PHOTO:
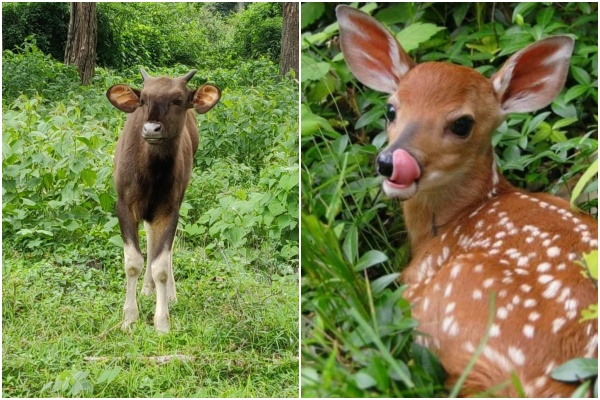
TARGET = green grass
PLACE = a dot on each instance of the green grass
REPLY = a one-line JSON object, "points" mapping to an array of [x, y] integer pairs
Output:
{"points": [[236, 321]]}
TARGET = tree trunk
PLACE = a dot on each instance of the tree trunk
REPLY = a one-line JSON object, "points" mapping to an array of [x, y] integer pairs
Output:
{"points": [[289, 40], [81, 40]]}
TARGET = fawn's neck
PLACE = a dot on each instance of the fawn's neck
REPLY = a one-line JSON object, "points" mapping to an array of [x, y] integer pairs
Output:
{"points": [[427, 213]]}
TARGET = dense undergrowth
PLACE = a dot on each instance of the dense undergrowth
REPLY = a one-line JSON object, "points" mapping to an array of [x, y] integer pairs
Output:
{"points": [[357, 330]]}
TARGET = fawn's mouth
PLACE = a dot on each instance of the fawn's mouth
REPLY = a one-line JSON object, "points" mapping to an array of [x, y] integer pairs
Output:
{"points": [[402, 172]]}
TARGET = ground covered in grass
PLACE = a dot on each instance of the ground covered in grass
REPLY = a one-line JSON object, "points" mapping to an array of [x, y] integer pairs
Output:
{"points": [[234, 328]]}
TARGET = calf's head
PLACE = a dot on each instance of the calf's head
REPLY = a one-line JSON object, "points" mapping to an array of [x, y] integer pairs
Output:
{"points": [[163, 103]]}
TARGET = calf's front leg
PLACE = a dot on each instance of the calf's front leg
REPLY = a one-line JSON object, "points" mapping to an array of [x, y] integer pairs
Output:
{"points": [[161, 232], [133, 261]]}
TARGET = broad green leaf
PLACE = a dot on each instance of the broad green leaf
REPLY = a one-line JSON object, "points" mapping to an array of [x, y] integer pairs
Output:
{"points": [[413, 35], [313, 70], [108, 375], [575, 92], [378, 285], [370, 258], [310, 12], [350, 246], [576, 370], [364, 380]]}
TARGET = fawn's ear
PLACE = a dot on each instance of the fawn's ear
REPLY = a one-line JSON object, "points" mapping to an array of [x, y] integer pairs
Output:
{"points": [[373, 54], [534, 76]]}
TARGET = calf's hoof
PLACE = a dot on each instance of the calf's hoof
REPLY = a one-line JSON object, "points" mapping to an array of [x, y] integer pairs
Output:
{"points": [[162, 325], [126, 325]]}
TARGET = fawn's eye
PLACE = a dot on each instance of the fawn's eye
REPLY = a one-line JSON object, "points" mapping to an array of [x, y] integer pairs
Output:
{"points": [[390, 113], [177, 102], [462, 126]]}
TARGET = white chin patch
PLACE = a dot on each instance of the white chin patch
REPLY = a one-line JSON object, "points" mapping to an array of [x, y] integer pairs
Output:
{"points": [[402, 193]]}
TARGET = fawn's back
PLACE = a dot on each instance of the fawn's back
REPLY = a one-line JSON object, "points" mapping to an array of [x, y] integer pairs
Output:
{"points": [[474, 237]]}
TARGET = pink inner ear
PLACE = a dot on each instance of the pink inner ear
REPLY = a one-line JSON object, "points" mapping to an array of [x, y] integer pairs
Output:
{"points": [[205, 98], [373, 54], [530, 71]]}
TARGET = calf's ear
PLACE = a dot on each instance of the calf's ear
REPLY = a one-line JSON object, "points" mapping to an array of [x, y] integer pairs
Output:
{"points": [[124, 98], [205, 98]]}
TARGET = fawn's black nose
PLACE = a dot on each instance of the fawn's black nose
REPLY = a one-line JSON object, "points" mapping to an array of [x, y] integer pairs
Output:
{"points": [[385, 164]]}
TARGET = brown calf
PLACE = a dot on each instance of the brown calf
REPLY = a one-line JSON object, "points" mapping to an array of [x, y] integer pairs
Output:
{"points": [[153, 165]]}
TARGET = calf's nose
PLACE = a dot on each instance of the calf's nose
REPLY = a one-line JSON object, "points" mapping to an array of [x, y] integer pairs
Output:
{"points": [[152, 132]]}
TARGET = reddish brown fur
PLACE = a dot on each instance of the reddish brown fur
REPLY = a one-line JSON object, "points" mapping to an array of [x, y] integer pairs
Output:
{"points": [[472, 234]]}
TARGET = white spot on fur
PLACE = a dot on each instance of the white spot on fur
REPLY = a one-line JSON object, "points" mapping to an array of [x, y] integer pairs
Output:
{"points": [[540, 382], [523, 261], [529, 303], [494, 331], [592, 346], [477, 295], [502, 313], [557, 324], [497, 358], [545, 279], [488, 282], [552, 289], [450, 307], [528, 331], [543, 267], [448, 290], [564, 294], [526, 288], [455, 271], [516, 355], [534, 316], [553, 251]]}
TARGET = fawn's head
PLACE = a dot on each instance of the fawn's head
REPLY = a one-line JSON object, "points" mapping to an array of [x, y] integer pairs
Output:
{"points": [[441, 116]]}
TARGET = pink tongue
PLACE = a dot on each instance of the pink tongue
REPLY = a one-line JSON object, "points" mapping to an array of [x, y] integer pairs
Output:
{"points": [[406, 170]]}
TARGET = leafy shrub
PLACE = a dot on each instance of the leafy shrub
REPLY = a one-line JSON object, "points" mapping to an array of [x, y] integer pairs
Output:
{"points": [[28, 70], [258, 31], [48, 22], [59, 137]]}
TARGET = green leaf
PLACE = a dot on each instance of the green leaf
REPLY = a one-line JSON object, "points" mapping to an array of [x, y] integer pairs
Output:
{"points": [[364, 380], [108, 375], [413, 35], [313, 70], [350, 246], [585, 178], [370, 258], [576, 370], [89, 177], [581, 75], [378, 285], [310, 12], [116, 240], [575, 92]]}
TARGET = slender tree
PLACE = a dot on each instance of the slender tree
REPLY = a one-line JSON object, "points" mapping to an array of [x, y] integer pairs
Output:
{"points": [[289, 39], [81, 40]]}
